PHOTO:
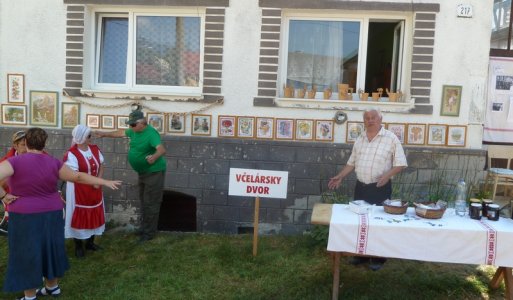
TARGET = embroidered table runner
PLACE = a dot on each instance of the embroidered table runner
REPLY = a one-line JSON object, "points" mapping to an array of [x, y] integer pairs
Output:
{"points": [[451, 239]]}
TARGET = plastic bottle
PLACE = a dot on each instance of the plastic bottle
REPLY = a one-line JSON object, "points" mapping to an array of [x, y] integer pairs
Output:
{"points": [[460, 203]]}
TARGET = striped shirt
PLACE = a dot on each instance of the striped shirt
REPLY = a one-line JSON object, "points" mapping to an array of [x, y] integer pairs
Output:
{"points": [[372, 159]]}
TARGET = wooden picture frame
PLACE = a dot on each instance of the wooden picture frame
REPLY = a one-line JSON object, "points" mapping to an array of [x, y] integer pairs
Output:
{"points": [[93, 121], [264, 128], [70, 115], [451, 100], [201, 124], [14, 114], [246, 127], [284, 129], [304, 129], [324, 130], [226, 126], [399, 129], [43, 108], [108, 121], [456, 135], [156, 120], [437, 135], [176, 123], [15, 88], [121, 122], [354, 130], [416, 134]]}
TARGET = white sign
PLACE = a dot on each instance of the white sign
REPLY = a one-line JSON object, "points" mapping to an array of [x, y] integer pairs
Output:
{"points": [[464, 11], [262, 183]]}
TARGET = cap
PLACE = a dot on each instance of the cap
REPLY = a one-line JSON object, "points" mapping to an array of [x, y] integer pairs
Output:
{"points": [[18, 135], [135, 116]]}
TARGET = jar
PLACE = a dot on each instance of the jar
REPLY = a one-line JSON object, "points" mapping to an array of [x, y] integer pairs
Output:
{"points": [[475, 211], [485, 203], [493, 212]]}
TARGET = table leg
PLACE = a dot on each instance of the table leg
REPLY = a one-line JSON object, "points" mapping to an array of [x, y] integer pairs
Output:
{"points": [[508, 280], [497, 278], [336, 275]]}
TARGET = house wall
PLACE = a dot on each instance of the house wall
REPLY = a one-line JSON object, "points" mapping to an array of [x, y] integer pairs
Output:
{"points": [[36, 37]]}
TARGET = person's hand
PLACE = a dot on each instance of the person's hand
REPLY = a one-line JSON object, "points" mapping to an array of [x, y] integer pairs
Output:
{"points": [[151, 159], [112, 184], [382, 181], [96, 186], [8, 199], [334, 182]]}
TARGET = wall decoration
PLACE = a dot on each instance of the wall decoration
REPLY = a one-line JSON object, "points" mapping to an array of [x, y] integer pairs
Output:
{"points": [[226, 126], [456, 135], [14, 114], [93, 121], [324, 130], [284, 129], [176, 123], [436, 134], [451, 100], [43, 108], [70, 115], [304, 129], [15, 88], [108, 121], [201, 124], [156, 120], [264, 128], [354, 130], [399, 129], [245, 127], [121, 122], [416, 134]]}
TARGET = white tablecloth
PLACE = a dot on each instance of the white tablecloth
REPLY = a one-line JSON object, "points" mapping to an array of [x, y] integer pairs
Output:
{"points": [[451, 239]]}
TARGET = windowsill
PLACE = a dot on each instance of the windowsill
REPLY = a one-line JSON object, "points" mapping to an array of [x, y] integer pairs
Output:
{"points": [[138, 95], [356, 105]]}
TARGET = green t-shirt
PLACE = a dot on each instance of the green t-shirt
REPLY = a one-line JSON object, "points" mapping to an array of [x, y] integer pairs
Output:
{"points": [[142, 144]]}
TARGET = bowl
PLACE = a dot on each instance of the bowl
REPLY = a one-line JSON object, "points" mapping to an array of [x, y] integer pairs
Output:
{"points": [[395, 206]]}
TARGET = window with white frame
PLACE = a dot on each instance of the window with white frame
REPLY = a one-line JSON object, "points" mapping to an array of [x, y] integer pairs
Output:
{"points": [[364, 53], [148, 52]]}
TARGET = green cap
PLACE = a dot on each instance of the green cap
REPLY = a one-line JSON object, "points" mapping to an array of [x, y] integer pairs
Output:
{"points": [[135, 116]]}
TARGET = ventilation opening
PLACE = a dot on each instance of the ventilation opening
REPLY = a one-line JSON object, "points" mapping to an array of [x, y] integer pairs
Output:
{"points": [[177, 212]]}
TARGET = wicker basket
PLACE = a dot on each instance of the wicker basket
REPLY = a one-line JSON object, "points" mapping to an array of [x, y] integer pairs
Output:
{"points": [[431, 213], [394, 209]]}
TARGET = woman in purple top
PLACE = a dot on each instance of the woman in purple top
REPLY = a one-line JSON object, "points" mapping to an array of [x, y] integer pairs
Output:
{"points": [[36, 224]]}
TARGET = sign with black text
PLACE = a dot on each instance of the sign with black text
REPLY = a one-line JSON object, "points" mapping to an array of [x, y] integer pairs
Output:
{"points": [[261, 183]]}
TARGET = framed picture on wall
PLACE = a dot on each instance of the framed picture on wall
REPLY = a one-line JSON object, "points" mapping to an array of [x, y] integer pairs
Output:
{"points": [[201, 124], [437, 134], [93, 121], [156, 120], [451, 100], [416, 134], [176, 123], [43, 108], [226, 126], [324, 130], [70, 115], [14, 114], [353, 131], [284, 129], [245, 127], [304, 129], [108, 121], [456, 135], [264, 128], [121, 122], [15, 88], [399, 129]]}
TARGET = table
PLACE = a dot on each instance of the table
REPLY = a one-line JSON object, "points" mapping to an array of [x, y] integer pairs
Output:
{"points": [[451, 239]]}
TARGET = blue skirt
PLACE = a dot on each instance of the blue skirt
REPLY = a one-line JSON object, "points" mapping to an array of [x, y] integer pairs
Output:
{"points": [[36, 250]]}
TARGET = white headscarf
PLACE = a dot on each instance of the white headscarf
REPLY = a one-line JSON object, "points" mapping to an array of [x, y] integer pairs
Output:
{"points": [[80, 134]]}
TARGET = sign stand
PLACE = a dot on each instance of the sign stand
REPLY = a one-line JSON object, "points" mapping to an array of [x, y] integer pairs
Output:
{"points": [[255, 226]]}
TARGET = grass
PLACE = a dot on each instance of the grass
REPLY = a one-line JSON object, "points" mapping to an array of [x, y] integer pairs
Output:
{"points": [[208, 266]]}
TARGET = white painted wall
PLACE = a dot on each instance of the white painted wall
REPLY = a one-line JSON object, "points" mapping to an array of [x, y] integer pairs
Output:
{"points": [[32, 39]]}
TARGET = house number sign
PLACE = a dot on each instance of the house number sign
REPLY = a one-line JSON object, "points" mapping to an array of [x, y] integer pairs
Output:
{"points": [[464, 11]]}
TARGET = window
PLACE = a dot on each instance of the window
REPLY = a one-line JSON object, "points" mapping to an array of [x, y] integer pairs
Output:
{"points": [[500, 42], [151, 53], [365, 53]]}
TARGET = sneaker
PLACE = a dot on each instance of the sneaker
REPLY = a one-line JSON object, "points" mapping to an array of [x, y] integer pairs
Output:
{"points": [[44, 291], [23, 298]]}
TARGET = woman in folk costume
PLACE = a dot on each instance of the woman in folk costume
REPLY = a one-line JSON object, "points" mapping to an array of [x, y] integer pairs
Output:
{"points": [[85, 212]]}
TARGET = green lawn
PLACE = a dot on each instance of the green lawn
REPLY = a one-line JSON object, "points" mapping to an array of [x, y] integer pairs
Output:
{"points": [[208, 266]]}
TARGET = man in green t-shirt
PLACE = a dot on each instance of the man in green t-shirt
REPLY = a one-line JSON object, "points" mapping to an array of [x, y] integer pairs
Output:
{"points": [[146, 156]]}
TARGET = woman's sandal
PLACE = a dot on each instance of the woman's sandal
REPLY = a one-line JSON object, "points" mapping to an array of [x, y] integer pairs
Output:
{"points": [[44, 291]]}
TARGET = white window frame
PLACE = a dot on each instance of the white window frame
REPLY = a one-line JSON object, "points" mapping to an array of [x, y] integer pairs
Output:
{"points": [[92, 52], [364, 18]]}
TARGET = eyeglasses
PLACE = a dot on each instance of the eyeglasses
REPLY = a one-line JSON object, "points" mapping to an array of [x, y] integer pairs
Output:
{"points": [[133, 125]]}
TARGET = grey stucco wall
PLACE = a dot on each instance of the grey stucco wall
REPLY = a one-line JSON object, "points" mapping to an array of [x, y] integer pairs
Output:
{"points": [[200, 167]]}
